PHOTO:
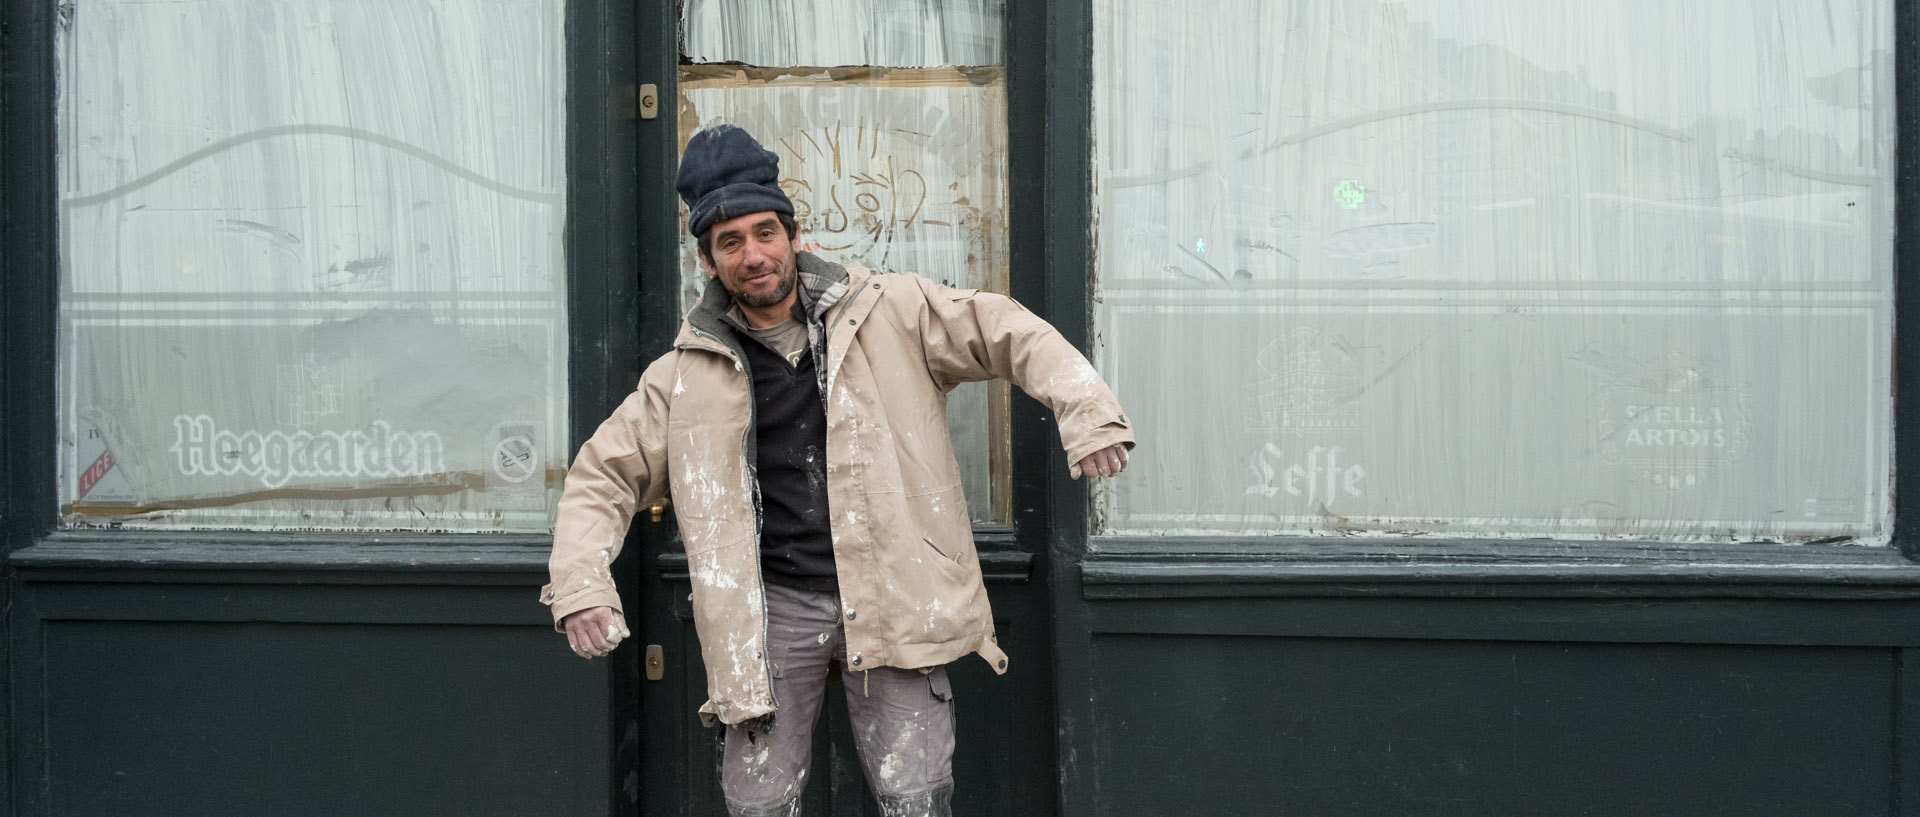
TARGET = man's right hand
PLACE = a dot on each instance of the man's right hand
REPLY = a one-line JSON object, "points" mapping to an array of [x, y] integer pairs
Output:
{"points": [[595, 631]]}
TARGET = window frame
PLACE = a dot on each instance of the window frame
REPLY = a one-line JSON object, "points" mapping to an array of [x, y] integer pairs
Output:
{"points": [[1186, 565], [602, 338], [1049, 78]]}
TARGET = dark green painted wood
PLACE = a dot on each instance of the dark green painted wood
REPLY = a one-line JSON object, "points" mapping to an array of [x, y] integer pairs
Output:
{"points": [[1627, 621], [450, 605], [7, 384], [28, 287], [1050, 121], [1906, 284], [1046, 225], [654, 308], [1411, 555], [1173, 573], [603, 270], [592, 202], [1906, 734], [264, 718], [27, 706], [1056, 507], [195, 660], [250, 557], [1333, 726], [670, 749], [30, 279]]}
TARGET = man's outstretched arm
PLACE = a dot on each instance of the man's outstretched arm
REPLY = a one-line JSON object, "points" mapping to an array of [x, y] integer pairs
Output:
{"points": [[621, 469], [971, 336]]}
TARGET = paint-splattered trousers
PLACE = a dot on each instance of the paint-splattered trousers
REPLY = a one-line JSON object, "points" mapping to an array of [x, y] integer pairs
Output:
{"points": [[902, 720]]}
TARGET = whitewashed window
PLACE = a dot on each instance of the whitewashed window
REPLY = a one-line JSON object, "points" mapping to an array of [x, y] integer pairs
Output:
{"points": [[1513, 268], [312, 272], [890, 123]]}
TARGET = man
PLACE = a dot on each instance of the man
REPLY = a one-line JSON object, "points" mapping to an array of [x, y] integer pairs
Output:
{"points": [[800, 426]]}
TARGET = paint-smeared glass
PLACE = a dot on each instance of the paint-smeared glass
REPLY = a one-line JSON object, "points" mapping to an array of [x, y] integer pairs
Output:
{"points": [[886, 33], [312, 270], [1499, 267]]}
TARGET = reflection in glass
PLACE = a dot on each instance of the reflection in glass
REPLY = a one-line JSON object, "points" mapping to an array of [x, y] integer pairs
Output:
{"points": [[1498, 268]]}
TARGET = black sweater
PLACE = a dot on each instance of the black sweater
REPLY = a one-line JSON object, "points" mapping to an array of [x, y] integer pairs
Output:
{"points": [[790, 428]]}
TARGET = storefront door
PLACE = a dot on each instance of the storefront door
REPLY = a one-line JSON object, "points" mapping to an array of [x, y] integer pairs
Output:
{"points": [[897, 160]]}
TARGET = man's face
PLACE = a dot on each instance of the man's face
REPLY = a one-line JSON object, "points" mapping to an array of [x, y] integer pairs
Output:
{"points": [[754, 259]]}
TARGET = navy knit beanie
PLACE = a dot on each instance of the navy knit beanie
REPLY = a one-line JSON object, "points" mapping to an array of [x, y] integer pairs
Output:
{"points": [[726, 174]]}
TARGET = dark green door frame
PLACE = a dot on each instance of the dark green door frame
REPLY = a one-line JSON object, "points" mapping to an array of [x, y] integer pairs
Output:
{"points": [[28, 233], [664, 727], [1006, 751], [1050, 107], [1906, 260], [611, 45]]}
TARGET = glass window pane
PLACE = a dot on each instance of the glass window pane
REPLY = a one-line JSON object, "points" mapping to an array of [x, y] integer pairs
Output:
{"points": [[312, 264], [893, 33], [897, 169], [1532, 268]]}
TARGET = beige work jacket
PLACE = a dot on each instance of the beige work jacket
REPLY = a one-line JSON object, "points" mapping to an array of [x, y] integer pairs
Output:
{"points": [[909, 580]]}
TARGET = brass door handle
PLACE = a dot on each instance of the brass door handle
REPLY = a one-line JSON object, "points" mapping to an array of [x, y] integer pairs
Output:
{"points": [[659, 509]]}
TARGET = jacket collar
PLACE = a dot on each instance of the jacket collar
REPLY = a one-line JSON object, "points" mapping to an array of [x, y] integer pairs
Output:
{"points": [[821, 285]]}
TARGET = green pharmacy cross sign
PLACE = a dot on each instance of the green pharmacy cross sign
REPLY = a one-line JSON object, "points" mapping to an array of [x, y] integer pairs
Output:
{"points": [[1350, 193]]}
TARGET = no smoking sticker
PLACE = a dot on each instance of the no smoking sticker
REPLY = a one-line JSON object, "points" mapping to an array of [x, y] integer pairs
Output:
{"points": [[515, 459]]}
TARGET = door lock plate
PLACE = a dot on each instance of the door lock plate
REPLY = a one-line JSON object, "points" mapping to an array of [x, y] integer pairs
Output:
{"points": [[649, 101], [656, 663]]}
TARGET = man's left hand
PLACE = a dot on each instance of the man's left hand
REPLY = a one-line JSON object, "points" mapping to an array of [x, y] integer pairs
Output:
{"points": [[1106, 462]]}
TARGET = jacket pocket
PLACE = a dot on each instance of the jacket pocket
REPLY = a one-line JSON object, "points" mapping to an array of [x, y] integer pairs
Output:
{"points": [[701, 534], [951, 556], [938, 685]]}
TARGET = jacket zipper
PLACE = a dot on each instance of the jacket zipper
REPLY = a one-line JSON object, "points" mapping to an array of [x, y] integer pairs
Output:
{"points": [[826, 337], [753, 477]]}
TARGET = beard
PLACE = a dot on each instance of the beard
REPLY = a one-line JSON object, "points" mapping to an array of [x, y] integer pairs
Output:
{"points": [[782, 288]]}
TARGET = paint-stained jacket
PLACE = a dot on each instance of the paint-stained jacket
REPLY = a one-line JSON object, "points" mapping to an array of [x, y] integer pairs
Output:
{"points": [[909, 579]]}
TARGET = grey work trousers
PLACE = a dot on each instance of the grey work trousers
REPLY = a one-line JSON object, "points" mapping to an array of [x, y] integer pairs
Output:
{"points": [[902, 720]]}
